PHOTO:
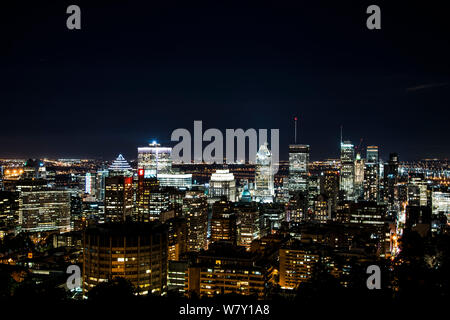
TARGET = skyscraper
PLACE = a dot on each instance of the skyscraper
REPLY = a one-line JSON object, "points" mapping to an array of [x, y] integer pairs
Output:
{"points": [[155, 159], [222, 183], [119, 191], [359, 177], [371, 175], [223, 222], [195, 210], [298, 168], [347, 176], [391, 179], [42, 209], [264, 184]]}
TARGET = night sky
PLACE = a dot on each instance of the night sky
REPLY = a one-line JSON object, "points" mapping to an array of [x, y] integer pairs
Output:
{"points": [[135, 72]]}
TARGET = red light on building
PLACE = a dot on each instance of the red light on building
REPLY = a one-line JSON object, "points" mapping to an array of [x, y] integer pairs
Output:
{"points": [[141, 172]]}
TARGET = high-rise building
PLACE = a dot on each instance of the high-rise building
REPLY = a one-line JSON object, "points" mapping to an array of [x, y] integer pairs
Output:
{"points": [[372, 175], [440, 204], [147, 194], [297, 263], [391, 179], [118, 198], [247, 223], [134, 251], [100, 185], [120, 167], [329, 186], [298, 168], [175, 179], [417, 192], [347, 176], [43, 209], [223, 222], [195, 210], [264, 178], [119, 191], [222, 183], [155, 159], [359, 177], [9, 211]]}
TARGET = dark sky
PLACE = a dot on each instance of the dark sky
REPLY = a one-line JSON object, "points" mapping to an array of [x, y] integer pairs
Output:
{"points": [[138, 71]]}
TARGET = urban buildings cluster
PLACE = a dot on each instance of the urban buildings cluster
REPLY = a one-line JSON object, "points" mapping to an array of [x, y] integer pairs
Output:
{"points": [[206, 230]]}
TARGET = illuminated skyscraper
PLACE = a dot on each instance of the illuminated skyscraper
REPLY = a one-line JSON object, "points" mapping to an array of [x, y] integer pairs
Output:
{"points": [[440, 204], [120, 167], [148, 188], [195, 210], [298, 168], [155, 159], [119, 191], [223, 222], [347, 176], [43, 209], [371, 175], [359, 177], [264, 185], [222, 183]]}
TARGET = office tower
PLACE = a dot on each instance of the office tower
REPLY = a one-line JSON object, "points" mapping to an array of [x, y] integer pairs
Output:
{"points": [[391, 179], [359, 177], [223, 221], [178, 180], [43, 209], [372, 175], [222, 183], [298, 168], [329, 186], [264, 178], [297, 208], [100, 184], [118, 198], [372, 154], [119, 191], [417, 194], [297, 263], [227, 269], [136, 252], [195, 210], [146, 198], [120, 167], [440, 204], [247, 223], [155, 159], [90, 182], [313, 190], [9, 211], [347, 176]]}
